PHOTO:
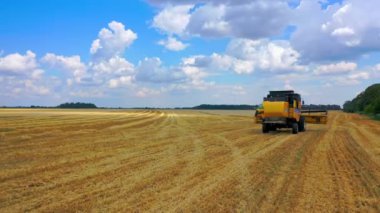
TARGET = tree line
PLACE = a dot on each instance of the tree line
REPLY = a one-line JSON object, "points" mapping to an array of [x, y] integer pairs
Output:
{"points": [[367, 102], [322, 107], [226, 107], [77, 105], [253, 107]]}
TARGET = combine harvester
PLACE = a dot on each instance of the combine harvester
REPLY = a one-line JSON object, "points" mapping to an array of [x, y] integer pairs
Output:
{"points": [[283, 109]]}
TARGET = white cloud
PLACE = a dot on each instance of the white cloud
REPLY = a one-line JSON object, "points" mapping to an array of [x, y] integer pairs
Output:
{"points": [[112, 42], [225, 18], [265, 59], [22, 76], [146, 92], [337, 68], [39, 90], [72, 64], [376, 71], [121, 81], [359, 75], [114, 65], [173, 44], [340, 32], [243, 66], [273, 56], [151, 70], [353, 79], [173, 19], [345, 31], [208, 21], [244, 56], [194, 74], [18, 64], [184, 76], [37, 74]]}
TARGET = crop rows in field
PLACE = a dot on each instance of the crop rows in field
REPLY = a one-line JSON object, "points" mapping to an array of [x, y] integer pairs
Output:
{"points": [[60, 160]]}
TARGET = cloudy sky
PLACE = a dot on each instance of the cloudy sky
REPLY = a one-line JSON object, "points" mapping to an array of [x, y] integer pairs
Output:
{"points": [[172, 53]]}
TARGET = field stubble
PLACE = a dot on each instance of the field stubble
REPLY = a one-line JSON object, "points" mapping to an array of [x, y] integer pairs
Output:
{"points": [[77, 160]]}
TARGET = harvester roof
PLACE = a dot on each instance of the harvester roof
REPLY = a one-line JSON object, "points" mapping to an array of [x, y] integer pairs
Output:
{"points": [[282, 95]]}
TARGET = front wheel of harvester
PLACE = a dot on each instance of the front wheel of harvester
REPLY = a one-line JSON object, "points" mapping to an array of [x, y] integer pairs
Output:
{"points": [[265, 128], [301, 126], [295, 128]]}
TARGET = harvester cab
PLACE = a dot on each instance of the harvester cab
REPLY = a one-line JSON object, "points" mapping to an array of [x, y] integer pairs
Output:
{"points": [[283, 109]]}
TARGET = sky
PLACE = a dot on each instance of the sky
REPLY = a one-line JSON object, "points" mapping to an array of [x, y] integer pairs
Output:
{"points": [[181, 53]]}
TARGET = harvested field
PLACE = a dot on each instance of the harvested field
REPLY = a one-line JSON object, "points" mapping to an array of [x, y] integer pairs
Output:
{"points": [[99, 160]]}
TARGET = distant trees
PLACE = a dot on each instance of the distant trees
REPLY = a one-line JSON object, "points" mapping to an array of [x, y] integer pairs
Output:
{"points": [[77, 105], [226, 107], [367, 102], [34, 106], [322, 107], [253, 107]]}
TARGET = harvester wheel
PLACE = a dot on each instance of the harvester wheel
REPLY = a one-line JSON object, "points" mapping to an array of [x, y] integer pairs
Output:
{"points": [[265, 128], [295, 128], [302, 124]]}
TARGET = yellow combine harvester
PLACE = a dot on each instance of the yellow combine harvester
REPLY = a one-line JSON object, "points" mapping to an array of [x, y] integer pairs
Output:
{"points": [[282, 109]]}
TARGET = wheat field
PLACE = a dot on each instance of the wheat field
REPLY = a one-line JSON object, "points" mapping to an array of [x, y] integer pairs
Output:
{"points": [[180, 161]]}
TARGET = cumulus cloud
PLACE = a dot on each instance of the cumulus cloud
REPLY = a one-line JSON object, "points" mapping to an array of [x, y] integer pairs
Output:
{"points": [[112, 42], [339, 32], [241, 19], [173, 44], [108, 72], [209, 21], [71, 64], [220, 62], [268, 55], [375, 71], [337, 68], [345, 31], [114, 65], [106, 67], [195, 77], [37, 74], [146, 92], [22, 75], [173, 19], [37, 89], [353, 79], [322, 34], [184, 76], [244, 56], [18, 64], [121, 81], [151, 70]]}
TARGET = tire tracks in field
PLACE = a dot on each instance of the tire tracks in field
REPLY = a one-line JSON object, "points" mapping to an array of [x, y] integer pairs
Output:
{"points": [[187, 161], [333, 174], [76, 129], [227, 173], [147, 181], [71, 170]]}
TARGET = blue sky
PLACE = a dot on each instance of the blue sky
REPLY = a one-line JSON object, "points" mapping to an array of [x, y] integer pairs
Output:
{"points": [[166, 53]]}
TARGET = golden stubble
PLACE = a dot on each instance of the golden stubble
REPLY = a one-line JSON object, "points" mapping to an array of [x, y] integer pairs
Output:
{"points": [[184, 160]]}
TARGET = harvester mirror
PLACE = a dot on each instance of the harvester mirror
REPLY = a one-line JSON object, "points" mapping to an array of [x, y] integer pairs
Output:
{"points": [[303, 102]]}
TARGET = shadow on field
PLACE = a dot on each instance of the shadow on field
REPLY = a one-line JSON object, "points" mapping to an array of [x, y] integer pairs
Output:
{"points": [[283, 131]]}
